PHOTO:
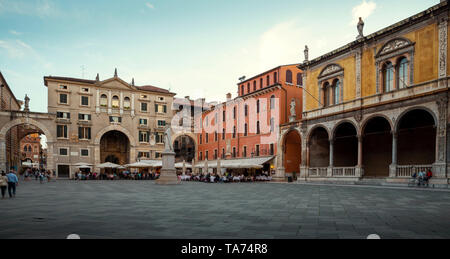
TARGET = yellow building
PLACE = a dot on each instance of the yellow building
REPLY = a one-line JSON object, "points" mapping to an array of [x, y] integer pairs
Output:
{"points": [[378, 107]]}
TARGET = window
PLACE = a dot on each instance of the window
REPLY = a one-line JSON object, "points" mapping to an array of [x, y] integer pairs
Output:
{"points": [[246, 110], [143, 122], [25, 148], [403, 73], [234, 132], [388, 76], [289, 76], [84, 133], [85, 100], [326, 94], [84, 152], [268, 80], [272, 149], [258, 131], [103, 100], [161, 123], [254, 85], [159, 108], [206, 138], [143, 96], [201, 139], [257, 150], [261, 83], [84, 90], [144, 136], [126, 103], [115, 119], [200, 156], [63, 87], [275, 77], [63, 115], [223, 153], [234, 112], [337, 92], [161, 99], [248, 88], [215, 154], [206, 154], [299, 79], [143, 107], [224, 116], [223, 134], [234, 151], [84, 117], [143, 154], [157, 154], [257, 106], [242, 90], [272, 102], [244, 153], [245, 129], [63, 98], [115, 102], [216, 136], [61, 131], [63, 152]]}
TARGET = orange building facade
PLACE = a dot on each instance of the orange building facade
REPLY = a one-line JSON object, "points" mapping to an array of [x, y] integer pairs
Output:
{"points": [[248, 125], [31, 148]]}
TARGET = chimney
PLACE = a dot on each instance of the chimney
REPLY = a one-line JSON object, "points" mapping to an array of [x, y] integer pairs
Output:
{"points": [[228, 97]]}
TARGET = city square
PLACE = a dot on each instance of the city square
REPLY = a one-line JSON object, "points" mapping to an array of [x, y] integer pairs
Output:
{"points": [[141, 209]]}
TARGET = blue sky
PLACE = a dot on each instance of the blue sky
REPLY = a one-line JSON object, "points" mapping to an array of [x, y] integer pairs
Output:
{"points": [[194, 47]]}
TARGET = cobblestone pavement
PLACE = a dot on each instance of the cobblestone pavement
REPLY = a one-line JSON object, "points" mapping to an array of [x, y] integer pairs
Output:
{"points": [[133, 209]]}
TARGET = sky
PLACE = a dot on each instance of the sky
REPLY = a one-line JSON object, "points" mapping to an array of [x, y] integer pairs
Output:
{"points": [[196, 48]]}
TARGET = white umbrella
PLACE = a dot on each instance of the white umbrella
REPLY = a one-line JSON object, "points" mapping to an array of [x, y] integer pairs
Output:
{"points": [[81, 164], [28, 164], [139, 165], [108, 165], [83, 167]]}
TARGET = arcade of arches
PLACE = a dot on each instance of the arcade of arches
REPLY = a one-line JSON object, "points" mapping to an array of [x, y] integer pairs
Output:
{"points": [[375, 148], [184, 147]]}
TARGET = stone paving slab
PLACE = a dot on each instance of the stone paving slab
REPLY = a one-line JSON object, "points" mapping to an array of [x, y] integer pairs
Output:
{"points": [[141, 209]]}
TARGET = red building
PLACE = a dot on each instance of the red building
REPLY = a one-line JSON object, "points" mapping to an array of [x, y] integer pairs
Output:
{"points": [[248, 126]]}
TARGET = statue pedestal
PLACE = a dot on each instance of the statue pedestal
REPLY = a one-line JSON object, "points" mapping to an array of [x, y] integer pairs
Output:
{"points": [[168, 172]]}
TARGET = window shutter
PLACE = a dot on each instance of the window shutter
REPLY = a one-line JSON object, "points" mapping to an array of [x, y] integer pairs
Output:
{"points": [[89, 117], [79, 132], [165, 108], [156, 107], [68, 115], [89, 133]]}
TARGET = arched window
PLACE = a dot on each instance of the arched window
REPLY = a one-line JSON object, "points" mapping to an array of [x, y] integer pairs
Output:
{"points": [[326, 94], [258, 130], [257, 106], [403, 73], [388, 76], [289, 76], [246, 110], [30, 149], [234, 131], [126, 103], [115, 101], [242, 89], [245, 129], [103, 100], [261, 83], [248, 88], [268, 80], [223, 134], [25, 148], [337, 91], [272, 102], [299, 79]]}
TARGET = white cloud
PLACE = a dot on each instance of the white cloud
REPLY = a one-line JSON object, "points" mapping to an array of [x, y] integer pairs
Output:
{"points": [[17, 49], [13, 32], [41, 8], [363, 10], [149, 5]]}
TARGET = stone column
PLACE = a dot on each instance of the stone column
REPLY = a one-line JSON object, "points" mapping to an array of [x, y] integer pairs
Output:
{"points": [[109, 102], [97, 103], [393, 166], [303, 165], [330, 168], [121, 103], [50, 156], [440, 166], [132, 105], [359, 167]]}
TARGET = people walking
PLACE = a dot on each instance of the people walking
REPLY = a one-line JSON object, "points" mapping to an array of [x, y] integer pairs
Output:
{"points": [[3, 183], [12, 183]]}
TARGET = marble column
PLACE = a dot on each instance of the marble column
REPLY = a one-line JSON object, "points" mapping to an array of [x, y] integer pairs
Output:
{"points": [[393, 166]]}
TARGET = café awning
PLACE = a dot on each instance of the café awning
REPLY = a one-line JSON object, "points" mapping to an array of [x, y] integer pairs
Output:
{"points": [[245, 163]]}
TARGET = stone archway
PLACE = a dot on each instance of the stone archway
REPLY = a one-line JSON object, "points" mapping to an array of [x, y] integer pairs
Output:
{"points": [[292, 152], [115, 148], [127, 133], [26, 121], [185, 147], [319, 147]]}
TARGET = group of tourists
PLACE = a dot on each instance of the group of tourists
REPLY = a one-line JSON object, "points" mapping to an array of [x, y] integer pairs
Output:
{"points": [[113, 175], [37, 174], [422, 178], [226, 178], [8, 181]]}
